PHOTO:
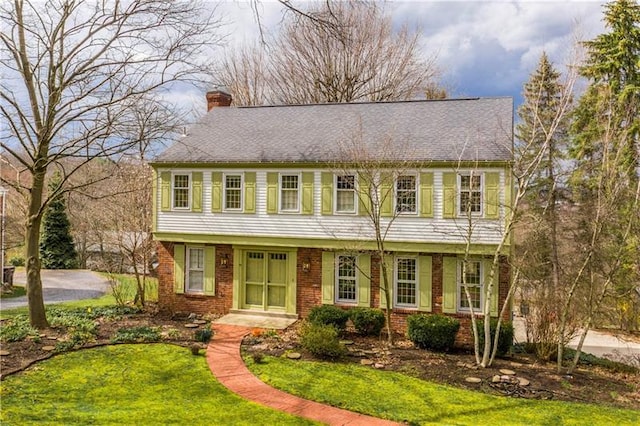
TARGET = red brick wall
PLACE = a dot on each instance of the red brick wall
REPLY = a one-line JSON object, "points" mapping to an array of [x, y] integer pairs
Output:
{"points": [[309, 291]]}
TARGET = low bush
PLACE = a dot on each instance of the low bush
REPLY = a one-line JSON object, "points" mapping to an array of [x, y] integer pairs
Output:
{"points": [[16, 261], [136, 335], [17, 329], [329, 315], [203, 335], [367, 321], [322, 341], [505, 339], [434, 332]]}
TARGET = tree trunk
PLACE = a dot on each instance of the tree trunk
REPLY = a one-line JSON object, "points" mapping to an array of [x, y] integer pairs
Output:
{"points": [[37, 314]]}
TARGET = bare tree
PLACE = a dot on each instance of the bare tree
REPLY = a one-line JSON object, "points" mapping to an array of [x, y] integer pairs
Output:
{"points": [[74, 73], [333, 52]]}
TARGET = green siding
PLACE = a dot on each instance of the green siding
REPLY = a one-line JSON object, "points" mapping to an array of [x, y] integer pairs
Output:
{"points": [[209, 270], [250, 192], [165, 191], [327, 193], [424, 282], [449, 285], [491, 195], [307, 193], [328, 264], [196, 192], [426, 194], [388, 260], [216, 192], [493, 308], [449, 181], [178, 268], [272, 192], [364, 280]]}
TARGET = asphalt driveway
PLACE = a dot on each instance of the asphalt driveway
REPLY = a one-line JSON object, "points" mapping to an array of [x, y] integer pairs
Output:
{"points": [[61, 286]]}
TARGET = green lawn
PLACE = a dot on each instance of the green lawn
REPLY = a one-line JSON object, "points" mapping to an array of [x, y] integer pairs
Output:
{"points": [[17, 292], [128, 384], [401, 398]]}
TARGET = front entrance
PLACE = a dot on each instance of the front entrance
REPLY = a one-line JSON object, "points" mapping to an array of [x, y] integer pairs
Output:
{"points": [[265, 283]]}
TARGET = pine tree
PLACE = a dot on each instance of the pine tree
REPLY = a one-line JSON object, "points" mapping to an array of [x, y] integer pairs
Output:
{"points": [[57, 250], [543, 129]]}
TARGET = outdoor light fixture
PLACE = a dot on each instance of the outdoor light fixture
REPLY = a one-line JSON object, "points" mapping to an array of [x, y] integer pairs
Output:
{"points": [[224, 259], [306, 266]]}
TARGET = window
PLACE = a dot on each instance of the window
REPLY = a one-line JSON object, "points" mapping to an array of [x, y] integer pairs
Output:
{"points": [[345, 194], [195, 270], [406, 194], [472, 274], [233, 192], [470, 194], [346, 279], [406, 282], [181, 191], [289, 194]]}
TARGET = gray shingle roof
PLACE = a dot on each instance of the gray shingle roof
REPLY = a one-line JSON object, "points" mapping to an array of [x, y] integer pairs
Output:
{"points": [[479, 129]]}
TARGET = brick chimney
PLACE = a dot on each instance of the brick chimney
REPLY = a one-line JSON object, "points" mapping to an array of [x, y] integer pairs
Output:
{"points": [[218, 98]]}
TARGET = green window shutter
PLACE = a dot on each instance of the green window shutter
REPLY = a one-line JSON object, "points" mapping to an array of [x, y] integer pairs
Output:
{"points": [[210, 270], [216, 192], [250, 192], [238, 279], [491, 195], [388, 261], [493, 308], [328, 272], [449, 285], [387, 194], [178, 268], [449, 181], [165, 191], [426, 194], [424, 282], [292, 262], [364, 280], [272, 192], [327, 193], [196, 192], [364, 198], [307, 193]]}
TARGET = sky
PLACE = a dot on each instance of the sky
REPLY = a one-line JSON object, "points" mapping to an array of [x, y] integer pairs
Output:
{"points": [[483, 48]]}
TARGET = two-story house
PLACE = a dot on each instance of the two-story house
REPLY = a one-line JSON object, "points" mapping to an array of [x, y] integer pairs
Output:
{"points": [[252, 213]]}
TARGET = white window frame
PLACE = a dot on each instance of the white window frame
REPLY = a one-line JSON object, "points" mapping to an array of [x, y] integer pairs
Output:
{"points": [[461, 295], [353, 301], [396, 282], [415, 191], [188, 269], [298, 191], [471, 174], [173, 190], [355, 193], [241, 189]]}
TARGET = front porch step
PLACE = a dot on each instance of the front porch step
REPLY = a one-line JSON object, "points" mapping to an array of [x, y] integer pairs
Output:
{"points": [[258, 319]]}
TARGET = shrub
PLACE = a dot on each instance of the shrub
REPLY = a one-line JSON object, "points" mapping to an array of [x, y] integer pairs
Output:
{"points": [[136, 334], [435, 332], [322, 341], [203, 335], [17, 261], [505, 339], [329, 315], [367, 321], [17, 329]]}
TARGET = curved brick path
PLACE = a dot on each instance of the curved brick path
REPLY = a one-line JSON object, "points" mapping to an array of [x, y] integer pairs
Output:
{"points": [[226, 364]]}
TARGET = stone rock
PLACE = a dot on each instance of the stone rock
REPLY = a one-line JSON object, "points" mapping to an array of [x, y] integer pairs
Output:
{"points": [[191, 325], [346, 342], [496, 379], [523, 382], [507, 372], [42, 336], [515, 364], [460, 364], [366, 362], [5, 353], [48, 348], [369, 352], [378, 365], [473, 380], [199, 322], [191, 316], [294, 355]]}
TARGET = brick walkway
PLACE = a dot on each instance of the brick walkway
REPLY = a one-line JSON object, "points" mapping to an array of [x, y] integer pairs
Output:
{"points": [[226, 364]]}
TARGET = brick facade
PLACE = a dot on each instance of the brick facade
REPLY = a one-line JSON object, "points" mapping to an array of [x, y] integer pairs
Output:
{"points": [[309, 288]]}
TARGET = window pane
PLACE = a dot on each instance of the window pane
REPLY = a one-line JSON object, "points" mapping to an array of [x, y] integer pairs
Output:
{"points": [[472, 274], [345, 182], [345, 194], [233, 192], [470, 194], [406, 194], [406, 283], [347, 278], [289, 193], [181, 191], [195, 272]]}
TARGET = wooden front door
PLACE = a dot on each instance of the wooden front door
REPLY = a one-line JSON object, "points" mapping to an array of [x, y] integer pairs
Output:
{"points": [[265, 284]]}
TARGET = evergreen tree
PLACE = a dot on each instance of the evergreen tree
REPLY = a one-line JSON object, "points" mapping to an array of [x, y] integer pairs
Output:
{"points": [[57, 250], [543, 130]]}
